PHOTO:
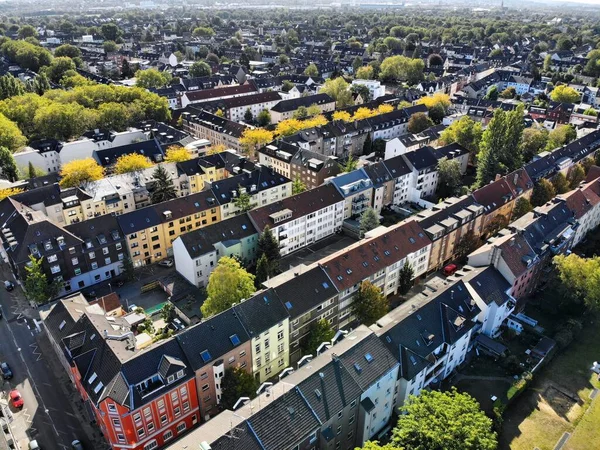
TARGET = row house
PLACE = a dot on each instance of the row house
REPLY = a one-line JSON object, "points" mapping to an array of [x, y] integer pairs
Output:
{"points": [[263, 185], [197, 97], [393, 124], [197, 253], [379, 260], [141, 398], [342, 399], [376, 89], [383, 185], [585, 204], [302, 219], [402, 176], [235, 108], [357, 189], [218, 130], [285, 109], [151, 231], [447, 223]]}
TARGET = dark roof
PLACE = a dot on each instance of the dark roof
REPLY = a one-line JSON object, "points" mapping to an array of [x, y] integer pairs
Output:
{"points": [[149, 148], [491, 286], [422, 158], [261, 312], [378, 173], [295, 103], [262, 178], [397, 167], [48, 195], [207, 94]]}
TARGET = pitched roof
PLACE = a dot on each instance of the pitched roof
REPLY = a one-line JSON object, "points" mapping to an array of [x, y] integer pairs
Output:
{"points": [[261, 312], [295, 103]]}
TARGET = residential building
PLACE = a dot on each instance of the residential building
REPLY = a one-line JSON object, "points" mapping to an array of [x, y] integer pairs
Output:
{"points": [[285, 109], [402, 176], [205, 95], [357, 189], [218, 130], [376, 89], [383, 185]]}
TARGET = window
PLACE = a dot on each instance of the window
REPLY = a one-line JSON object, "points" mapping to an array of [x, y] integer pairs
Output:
{"points": [[141, 432], [242, 353], [186, 406], [177, 411], [94, 265], [181, 427], [120, 438], [137, 418], [150, 445], [163, 419], [280, 335], [257, 348], [168, 435], [112, 408], [268, 371], [206, 387], [258, 360]]}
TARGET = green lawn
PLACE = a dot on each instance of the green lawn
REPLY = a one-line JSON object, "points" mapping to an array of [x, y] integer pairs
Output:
{"points": [[546, 410], [587, 434]]}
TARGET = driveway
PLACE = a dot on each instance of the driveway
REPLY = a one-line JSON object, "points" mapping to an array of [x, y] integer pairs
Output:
{"points": [[316, 251]]}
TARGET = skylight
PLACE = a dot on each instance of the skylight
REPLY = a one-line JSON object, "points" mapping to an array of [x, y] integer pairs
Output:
{"points": [[369, 357], [288, 305], [235, 340], [205, 356]]}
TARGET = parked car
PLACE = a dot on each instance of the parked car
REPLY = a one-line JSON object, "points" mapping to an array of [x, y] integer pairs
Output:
{"points": [[8, 285], [76, 445], [449, 269], [6, 372], [132, 307], [166, 263], [16, 399], [178, 324], [33, 445]]}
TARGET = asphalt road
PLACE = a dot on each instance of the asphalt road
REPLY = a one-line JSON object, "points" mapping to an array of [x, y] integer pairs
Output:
{"points": [[47, 415]]}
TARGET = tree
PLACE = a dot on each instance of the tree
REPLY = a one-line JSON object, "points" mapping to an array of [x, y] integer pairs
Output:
{"points": [[151, 78], [127, 269], [465, 132], [492, 93], [467, 243], [368, 220], [237, 383], [405, 278], [263, 118], [167, 312], [401, 68], [287, 86], [215, 149], [576, 175], [443, 420], [338, 90], [351, 164], [581, 277], [560, 183], [27, 55], [522, 207], [560, 136], [31, 170], [268, 246], [10, 135], [435, 60], [27, 31], [283, 59], [248, 115], [10, 86], [564, 94], [543, 192], [133, 162], [533, 141], [298, 187], [369, 304], [509, 92], [313, 110], [79, 172], [263, 271], [178, 154], [419, 122], [200, 69], [254, 138], [362, 90], [203, 32], [367, 145], [8, 165], [243, 201], [364, 73], [63, 121], [9, 192], [126, 70], [110, 31], [212, 58], [228, 284], [36, 284], [591, 112], [41, 84], [449, 177], [320, 331], [311, 70], [109, 47], [342, 115], [498, 223], [163, 188], [67, 50], [379, 147]]}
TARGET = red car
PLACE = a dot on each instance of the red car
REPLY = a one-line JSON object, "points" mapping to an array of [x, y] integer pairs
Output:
{"points": [[16, 399], [450, 269]]}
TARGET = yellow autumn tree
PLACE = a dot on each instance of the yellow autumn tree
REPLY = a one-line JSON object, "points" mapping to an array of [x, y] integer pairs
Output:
{"points": [[132, 163], [439, 98], [315, 121], [363, 113], [8, 192], [214, 149], [288, 127], [80, 171], [384, 109], [177, 154], [342, 115], [253, 138]]}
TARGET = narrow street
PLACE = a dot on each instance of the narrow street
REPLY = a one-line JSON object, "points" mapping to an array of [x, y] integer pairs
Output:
{"points": [[47, 415]]}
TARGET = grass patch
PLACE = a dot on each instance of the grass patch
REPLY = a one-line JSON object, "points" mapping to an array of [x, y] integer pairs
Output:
{"points": [[587, 433]]}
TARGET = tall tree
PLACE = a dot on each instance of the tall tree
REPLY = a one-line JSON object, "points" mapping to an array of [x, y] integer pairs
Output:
{"points": [[200, 69], [163, 188], [311, 70], [576, 175], [36, 285], [80, 172], [534, 141], [263, 271], [228, 284], [338, 90], [367, 145], [298, 187], [8, 165], [560, 183], [264, 118], [268, 246], [243, 201], [581, 277], [449, 177], [465, 132], [419, 122], [132, 162], [405, 276], [564, 94], [369, 304], [127, 269], [368, 220], [443, 420], [31, 170], [10, 135], [543, 192], [237, 383], [320, 331], [467, 243], [522, 207]]}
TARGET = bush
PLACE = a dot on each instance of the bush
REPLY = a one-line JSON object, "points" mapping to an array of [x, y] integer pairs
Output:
{"points": [[563, 337]]}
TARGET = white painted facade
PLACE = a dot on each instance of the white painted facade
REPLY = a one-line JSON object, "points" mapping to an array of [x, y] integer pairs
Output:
{"points": [[376, 89]]}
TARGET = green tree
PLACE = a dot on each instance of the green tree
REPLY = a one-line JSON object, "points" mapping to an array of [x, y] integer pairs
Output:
{"points": [[167, 312], [200, 69], [31, 170], [534, 141], [365, 73], [263, 271], [237, 383], [311, 70], [63, 121], [287, 85], [320, 331], [10, 86], [203, 32], [564, 94], [449, 177], [509, 92], [243, 201], [498, 223], [465, 132], [401, 68], [591, 112], [543, 192], [367, 145], [10, 135], [362, 90], [298, 186], [492, 93], [110, 31], [228, 284], [405, 278], [109, 46], [36, 285], [248, 115], [41, 83], [8, 165], [27, 31], [368, 220], [68, 50], [561, 136], [264, 118], [351, 164], [522, 207], [151, 78], [467, 243], [126, 70], [443, 420], [127, 269], [163, 188], [560, 183], [27, 55], [369, 304], [338, 90], [268, 246], [419, 122], [576, 175]]}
